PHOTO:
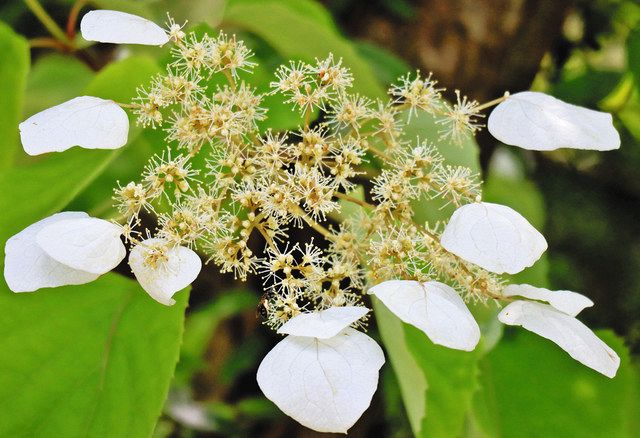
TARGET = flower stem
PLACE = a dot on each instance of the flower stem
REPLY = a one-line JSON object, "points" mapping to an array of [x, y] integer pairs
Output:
{"points": [[353, 200], [73, 18], [493, 102], [48, 22], [379, 153]]}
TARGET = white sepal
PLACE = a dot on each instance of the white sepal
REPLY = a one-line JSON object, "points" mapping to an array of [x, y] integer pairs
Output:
{"points": [[324, 324], [177, 270], [28, 268], [121, 28], [87, 244], [434, 308], [566, 331], [565, 301], [540, 122], [324, 384], [494, 237], [86, 121]]}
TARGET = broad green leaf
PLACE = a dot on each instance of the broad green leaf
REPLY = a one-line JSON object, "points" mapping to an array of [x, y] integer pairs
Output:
{"points": [[411, 379], [296, 34], [34, 191], [92, 360], [451, 382], [14, 65], [387, 66], [531, 388], [55, 79], [437, 383], [118, 81]]}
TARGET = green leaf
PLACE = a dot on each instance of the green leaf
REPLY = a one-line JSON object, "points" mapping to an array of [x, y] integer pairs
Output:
{"points": [[437, 383], [35, 191], [387, 66], [55, 79], [14, 65], [90, 360], [411, 378], [118, 81], [451, 380], [531, 388], [633, 54], [299, 35]]}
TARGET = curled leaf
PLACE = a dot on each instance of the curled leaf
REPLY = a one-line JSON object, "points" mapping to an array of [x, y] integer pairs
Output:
{"points": [[107, 26], [540, 122], [494, 237], [564, 330], [28, 268], [162, 270], [325, 384], [86, 244], [434, 308], [565, 301], [88, 122], [324, 324]]}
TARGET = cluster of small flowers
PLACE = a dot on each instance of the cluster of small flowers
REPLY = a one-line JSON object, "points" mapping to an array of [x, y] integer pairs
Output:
{"points": [[249, 182], [268, 183]]}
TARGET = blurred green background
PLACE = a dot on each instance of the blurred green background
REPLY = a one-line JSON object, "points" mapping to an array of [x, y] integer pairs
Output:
{"points": [[586, 203]]}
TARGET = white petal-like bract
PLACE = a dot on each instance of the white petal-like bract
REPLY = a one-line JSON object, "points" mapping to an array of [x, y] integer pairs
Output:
{"points": [[434, 308], [540, 122], [28, 268], [324, 324], [179, 267], [87, 244], [494, 237], [325, 384], [566, 331], [121, 28], [86, 121], [565, 301]]}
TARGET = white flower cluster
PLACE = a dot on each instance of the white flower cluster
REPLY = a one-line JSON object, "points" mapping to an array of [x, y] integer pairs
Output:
{"points": [[324, 372]]}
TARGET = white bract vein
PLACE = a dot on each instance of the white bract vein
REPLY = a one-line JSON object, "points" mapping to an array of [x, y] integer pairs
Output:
{"points": [[324, 324], [494, 237], [434, 308], [176, 269], [86, 121], [566, 331], [540, 122], [325, 384], [565, 301], [86, 244], [27, 267], [121, 28]]}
